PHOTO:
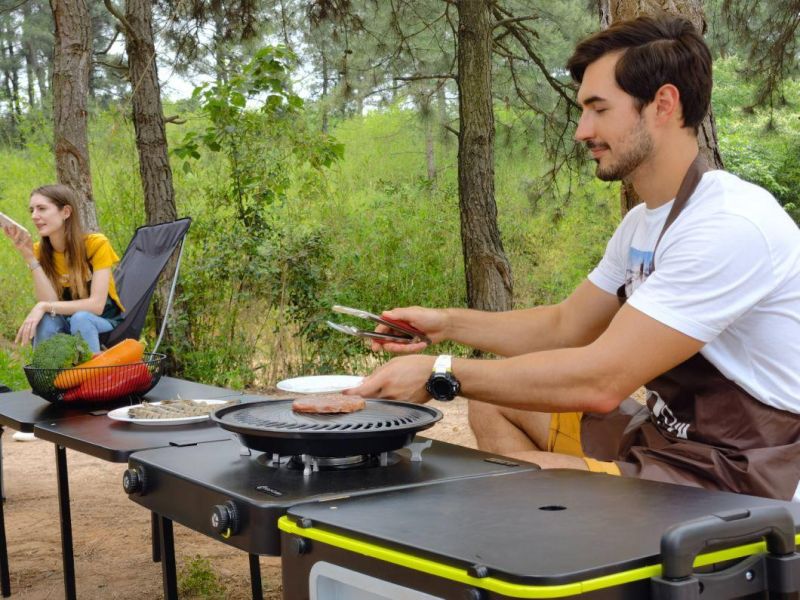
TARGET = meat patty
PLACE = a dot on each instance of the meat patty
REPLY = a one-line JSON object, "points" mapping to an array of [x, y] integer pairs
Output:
{"points": [[325, 404]]}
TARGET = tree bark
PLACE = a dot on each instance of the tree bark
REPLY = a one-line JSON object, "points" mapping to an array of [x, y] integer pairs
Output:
{"points": [[618, 10], [488, 273], [27, 48], [148, 115], [71, 63], [151, 139], [430, 151], [151, 136]]}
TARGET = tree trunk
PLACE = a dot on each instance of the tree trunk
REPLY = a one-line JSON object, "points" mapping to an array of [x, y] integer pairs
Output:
{"points": [[220, 65], [148, 116], [324, 96], [151, 139], [430, 152], [618, 10], [441, 105], [27, 48], [13, 74], [488, 273], [71, 63]]}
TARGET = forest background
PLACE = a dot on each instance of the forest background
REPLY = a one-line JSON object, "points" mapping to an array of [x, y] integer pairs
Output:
{"points": [[318, 157]]}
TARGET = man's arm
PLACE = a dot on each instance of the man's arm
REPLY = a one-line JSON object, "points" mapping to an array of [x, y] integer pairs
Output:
{"points": [[596, 377], [633, 350], [576, 321]]}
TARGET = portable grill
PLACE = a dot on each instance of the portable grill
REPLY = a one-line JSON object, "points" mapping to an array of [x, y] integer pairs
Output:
{"points": [[236, 495], [272, 426], [545, 534]]}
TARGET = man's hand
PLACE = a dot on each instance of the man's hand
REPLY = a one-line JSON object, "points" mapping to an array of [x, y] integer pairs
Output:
{"points": [[27, 331], [430, 321], [402, 378]]}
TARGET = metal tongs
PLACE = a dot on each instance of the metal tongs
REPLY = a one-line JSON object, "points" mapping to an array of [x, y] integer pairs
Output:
{"points": [[402, 332]]}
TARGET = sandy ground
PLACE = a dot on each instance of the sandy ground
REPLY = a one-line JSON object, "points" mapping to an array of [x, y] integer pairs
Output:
{"points": [[112, 534]]}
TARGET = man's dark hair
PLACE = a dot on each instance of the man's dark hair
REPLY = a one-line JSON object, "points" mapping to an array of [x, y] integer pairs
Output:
{"points": [[656, 51]]}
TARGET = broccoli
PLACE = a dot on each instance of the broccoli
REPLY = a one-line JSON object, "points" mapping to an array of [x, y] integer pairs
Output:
{"points": [[61, 351]]}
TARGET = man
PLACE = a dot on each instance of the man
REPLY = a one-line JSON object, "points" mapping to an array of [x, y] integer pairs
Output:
{"points": [[702, 305]]}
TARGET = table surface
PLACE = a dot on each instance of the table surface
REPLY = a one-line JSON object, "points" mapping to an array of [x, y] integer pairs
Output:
{"points": [[97, 435], [23, 410]]}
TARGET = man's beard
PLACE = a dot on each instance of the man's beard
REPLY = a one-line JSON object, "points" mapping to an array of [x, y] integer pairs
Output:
{"points": [[640, 147]]}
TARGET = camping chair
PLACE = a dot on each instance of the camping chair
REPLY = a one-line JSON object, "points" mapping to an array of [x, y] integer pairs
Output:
{"points": [[137, 273]]}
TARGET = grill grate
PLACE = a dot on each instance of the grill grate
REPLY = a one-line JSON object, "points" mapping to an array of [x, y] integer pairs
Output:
{"points": [[376, 416], [272, 426]]}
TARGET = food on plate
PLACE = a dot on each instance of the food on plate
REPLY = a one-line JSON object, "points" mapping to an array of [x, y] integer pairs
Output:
{"points": [[61, 351], [324, 404], [112, 383], [126, 352], [174, 409]]}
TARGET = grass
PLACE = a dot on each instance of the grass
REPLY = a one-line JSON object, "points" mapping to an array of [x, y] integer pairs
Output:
{"points": [[198, 580]]}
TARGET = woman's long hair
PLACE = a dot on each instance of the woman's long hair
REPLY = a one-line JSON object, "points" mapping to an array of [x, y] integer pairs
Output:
{"points": [[78, 273]]}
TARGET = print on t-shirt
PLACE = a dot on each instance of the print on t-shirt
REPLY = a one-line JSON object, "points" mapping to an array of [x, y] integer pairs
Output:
{"points": [[640, 265]]}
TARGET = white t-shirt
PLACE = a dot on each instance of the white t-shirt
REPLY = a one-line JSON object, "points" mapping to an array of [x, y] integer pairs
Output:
{"points": [[727, 273]]}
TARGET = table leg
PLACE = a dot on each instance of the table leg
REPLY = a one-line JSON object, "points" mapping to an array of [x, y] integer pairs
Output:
{"points": [[168, 572], [66, 523], [2, 485], [155, 539], [5, 579], [255, 577]]}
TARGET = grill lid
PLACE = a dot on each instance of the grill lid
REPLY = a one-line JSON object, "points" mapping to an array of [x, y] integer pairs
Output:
{"points": [[272, 426]]}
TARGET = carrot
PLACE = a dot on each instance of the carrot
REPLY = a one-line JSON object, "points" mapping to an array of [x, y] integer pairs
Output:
{"points": [[126, 352], [111, 384]]}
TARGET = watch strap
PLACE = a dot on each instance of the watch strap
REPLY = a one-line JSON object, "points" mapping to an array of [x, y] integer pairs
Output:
{"points": [[443, 364]]}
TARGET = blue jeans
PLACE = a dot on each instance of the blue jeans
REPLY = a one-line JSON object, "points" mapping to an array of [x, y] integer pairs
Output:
{"points": [[83, 323]]}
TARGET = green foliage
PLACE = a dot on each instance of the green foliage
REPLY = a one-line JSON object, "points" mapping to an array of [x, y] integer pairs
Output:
{"points": [[278, 236], [11, 362], [763, 145], [198, 580], [61, 351], [276, 272]]}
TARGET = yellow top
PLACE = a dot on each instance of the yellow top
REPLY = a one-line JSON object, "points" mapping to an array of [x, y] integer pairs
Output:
{"points": [[101, 255]]}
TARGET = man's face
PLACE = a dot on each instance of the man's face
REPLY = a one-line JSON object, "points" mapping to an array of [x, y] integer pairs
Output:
{"points": [[612, 128]]}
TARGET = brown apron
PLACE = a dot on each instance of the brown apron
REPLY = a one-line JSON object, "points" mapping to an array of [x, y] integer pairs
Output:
{"points": [[698, 427]]}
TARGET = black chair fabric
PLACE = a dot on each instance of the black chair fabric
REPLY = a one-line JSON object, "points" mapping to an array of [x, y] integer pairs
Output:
{"points": [[137, 273]]}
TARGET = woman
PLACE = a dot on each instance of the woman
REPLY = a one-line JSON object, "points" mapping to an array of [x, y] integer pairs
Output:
{"points": [[71, 272]]}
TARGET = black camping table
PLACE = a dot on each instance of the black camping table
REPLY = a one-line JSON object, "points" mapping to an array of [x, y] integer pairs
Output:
{"points": [[89, 431], [541, 534]]}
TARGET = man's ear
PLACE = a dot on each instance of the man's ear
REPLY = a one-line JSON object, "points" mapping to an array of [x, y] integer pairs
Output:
{"points": [[668, 106]]}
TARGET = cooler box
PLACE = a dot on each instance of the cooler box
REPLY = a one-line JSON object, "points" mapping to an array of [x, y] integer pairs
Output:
{"points": [[546, 534]]}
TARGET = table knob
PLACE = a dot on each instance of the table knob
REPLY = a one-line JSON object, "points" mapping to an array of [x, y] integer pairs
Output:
{"points": [[225, 519], [134, 481]]}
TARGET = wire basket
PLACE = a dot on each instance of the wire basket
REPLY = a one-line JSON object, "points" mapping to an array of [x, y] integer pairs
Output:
{"points": [[97, 385]]}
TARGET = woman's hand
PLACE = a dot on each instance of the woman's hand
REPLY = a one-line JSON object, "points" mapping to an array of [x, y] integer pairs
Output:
{"points": [[22, 241], [402, 378], [430, 321], [27, 331]]}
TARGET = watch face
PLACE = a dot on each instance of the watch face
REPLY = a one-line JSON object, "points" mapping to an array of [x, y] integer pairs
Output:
{"points": [[443, 386]]}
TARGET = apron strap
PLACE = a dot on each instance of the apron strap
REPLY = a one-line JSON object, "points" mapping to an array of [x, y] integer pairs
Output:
{"points": [[688, 185]]}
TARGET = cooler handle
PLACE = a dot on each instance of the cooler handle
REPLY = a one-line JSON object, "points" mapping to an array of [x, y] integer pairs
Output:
{"points": [[779, 571]]}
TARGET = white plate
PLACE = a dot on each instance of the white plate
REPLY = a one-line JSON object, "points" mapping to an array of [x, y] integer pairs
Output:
{"points": [[319, 384], [121, 414]]}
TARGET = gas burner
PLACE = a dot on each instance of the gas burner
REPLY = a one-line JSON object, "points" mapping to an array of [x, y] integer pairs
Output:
{"points": [[312, 464]]}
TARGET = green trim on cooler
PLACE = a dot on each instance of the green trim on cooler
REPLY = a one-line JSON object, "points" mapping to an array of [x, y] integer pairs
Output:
{"points": [[498, 586]]}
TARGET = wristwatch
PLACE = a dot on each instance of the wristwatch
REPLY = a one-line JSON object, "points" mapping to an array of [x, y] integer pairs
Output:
{"points": [[442, 384]]}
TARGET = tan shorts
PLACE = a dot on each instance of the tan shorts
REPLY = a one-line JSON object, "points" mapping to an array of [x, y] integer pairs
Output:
{"points": [[565, 438]]}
